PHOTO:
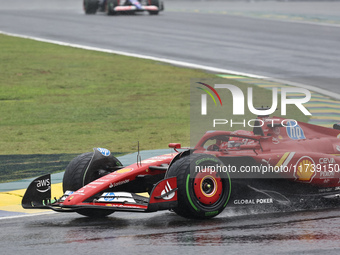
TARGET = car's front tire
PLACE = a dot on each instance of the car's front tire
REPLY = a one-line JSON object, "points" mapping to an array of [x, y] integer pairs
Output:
{"points": [[201, 194], [78, 174]]}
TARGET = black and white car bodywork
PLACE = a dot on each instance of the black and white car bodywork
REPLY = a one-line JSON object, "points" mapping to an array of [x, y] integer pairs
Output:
{"points": [[112, 7]]}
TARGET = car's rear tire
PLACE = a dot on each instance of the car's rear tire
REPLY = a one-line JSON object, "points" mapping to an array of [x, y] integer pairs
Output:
{"points": [[158, 4], [90, 6], [77, 175], [201, 195]]}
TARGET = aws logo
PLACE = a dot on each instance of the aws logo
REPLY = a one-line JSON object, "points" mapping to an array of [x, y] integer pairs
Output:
{"points": [[43, 185], [239, 99]]}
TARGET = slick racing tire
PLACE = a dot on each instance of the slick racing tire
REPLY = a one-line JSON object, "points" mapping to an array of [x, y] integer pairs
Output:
{"points": [[158, 4], [201, 194], [77, 176], [110, 6], [90, 6]]}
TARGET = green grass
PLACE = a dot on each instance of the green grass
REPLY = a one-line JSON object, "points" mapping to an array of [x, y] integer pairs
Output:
{"points": [[56, 99]]}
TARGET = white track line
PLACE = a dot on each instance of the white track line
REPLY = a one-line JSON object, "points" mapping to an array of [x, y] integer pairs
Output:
{"points": [[25, 215], [309, 87], [246, 15], [179, 63]]}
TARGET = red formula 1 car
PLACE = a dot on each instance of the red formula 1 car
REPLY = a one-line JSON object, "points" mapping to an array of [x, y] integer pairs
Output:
{"points": [[280, 164], [112, 7]]}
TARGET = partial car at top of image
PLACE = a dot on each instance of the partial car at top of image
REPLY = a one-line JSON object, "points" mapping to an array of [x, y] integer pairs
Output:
{"points": [[281, 164], [113, 7]]}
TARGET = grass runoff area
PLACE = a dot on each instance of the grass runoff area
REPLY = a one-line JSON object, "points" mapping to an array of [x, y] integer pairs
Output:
{"points": [[57, 102]]}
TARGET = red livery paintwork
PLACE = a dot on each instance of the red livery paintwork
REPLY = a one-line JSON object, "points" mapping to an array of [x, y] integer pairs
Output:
{"points": [[120, 176], [279, 164]]}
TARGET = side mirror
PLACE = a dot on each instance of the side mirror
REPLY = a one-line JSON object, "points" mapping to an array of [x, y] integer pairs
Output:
{"points": [[175, 146]]}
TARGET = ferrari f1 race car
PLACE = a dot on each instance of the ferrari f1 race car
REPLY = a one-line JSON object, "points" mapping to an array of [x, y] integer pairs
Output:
{"points": [[112, 7], [281, 164]]}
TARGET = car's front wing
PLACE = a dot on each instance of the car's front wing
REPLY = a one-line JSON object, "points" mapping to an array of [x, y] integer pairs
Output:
{"points": [[162, 197]]}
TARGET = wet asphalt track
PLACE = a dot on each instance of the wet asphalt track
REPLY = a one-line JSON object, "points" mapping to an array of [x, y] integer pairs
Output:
{"points": [[165, 233], [299, 52]]}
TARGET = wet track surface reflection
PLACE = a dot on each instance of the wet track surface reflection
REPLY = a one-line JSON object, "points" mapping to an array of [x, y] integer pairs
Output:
{"points": [[165, 232]]}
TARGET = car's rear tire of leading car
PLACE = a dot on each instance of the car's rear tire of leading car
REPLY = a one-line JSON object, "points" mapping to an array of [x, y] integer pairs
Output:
{"points": [[201, 194], [158, 4], [90, 6], [77, 175]]}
